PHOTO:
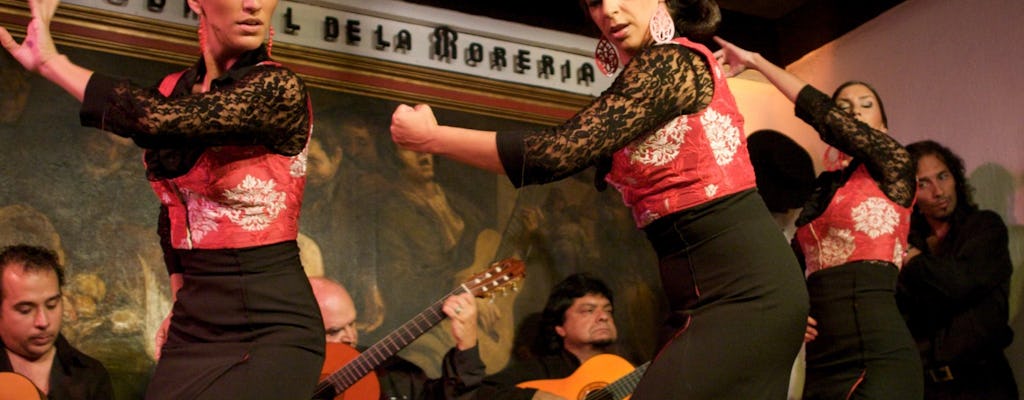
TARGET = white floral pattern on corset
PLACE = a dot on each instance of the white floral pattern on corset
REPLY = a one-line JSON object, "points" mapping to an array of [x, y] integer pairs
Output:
{"points": [[202, 215], [875, 217], [254, 203], [836, 247], [298, 167], [710, 190], [723, 136], [649, 216], [663, 146]]}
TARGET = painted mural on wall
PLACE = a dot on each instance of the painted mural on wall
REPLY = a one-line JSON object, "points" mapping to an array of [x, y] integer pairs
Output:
{"points": [[399, 229]]}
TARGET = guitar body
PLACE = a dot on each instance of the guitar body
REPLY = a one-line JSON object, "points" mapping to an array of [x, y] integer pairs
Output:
{"points": [[599, 371], [18, 387], [338, 354]]}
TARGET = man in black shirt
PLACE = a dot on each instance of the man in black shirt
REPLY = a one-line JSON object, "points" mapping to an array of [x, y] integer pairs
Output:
{"points": [[577, 324], [954, 286], [30, 321]]}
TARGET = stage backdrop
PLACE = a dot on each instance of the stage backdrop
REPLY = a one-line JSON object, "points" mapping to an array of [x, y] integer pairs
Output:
{"points": [[400, 230]]}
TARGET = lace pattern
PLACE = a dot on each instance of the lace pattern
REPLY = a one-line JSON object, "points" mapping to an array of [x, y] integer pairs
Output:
{"points": [[660, 83], [266, 106], [888, 162]]}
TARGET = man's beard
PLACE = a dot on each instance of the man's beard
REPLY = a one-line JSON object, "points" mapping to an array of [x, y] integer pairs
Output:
{"points": [[603, 343]]}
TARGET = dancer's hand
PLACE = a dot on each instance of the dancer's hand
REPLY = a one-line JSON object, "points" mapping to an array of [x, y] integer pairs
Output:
{"points": [[413, 128], [735, 58], [37, 48], [812, 332], [161, 336]]}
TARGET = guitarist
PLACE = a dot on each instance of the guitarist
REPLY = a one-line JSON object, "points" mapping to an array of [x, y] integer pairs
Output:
{"points": [[400, 379], [30, 320], [577, 323]]}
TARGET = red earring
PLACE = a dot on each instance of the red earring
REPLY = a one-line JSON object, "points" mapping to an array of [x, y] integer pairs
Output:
{"points": [[834, 159], [607, 57], [201, 33], [270, 39]]}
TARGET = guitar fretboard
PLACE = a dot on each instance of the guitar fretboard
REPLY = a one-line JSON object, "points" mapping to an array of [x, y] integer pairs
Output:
{"points": [[383, 349]]}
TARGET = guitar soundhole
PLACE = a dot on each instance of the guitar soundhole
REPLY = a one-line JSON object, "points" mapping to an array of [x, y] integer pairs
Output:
{"points": [[591, 388]]}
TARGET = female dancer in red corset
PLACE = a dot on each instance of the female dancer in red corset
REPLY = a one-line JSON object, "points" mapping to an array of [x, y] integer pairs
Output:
{"points": [[224, 149], [852, 234], [670, 135]]}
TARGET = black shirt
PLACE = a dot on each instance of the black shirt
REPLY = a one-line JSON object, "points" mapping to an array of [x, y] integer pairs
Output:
{"points": [[73, 375]]}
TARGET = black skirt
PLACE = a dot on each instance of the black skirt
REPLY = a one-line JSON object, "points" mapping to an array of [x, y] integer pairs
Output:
{"points": [[245, 326], [738, 300], [863, 349]]}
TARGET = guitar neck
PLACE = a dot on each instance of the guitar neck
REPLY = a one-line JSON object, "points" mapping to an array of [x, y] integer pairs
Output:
{"points": [[372, 357]]}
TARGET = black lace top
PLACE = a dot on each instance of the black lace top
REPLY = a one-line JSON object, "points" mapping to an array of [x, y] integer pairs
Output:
{"points": [[658, 84], [252, 104], [886, 160]]}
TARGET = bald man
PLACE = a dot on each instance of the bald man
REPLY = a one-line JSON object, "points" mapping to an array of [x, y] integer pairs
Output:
{"points": [[463, 370]]}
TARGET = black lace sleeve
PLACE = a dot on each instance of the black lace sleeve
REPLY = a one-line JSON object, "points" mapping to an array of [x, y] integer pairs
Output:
{"points": [[887, 161], [657, 85], [266, 106]]}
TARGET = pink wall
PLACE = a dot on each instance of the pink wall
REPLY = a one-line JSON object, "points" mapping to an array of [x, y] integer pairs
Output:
{"points": [[950, 71]]}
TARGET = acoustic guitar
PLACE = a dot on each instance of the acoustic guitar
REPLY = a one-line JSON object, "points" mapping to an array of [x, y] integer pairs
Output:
{"points": [[16, 386], [350, 372], [604, 376]]}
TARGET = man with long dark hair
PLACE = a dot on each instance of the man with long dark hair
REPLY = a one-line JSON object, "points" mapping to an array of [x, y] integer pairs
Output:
{"points": [[576, 324], [954, 286]]}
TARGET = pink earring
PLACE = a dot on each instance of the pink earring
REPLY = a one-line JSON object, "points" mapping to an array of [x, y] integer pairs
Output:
{"points": [[270, 39], [607, 57], [662, 27]]}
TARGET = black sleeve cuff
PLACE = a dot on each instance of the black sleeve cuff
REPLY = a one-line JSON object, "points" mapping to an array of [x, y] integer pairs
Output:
{"points": [[94, 103], [467, 360], [512, 152], [811, 104]]}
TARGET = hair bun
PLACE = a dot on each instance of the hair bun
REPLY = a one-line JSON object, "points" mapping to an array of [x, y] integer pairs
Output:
{"points": [[697, 19]]}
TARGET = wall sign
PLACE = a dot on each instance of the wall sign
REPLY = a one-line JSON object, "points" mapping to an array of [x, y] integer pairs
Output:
{"points": [[417, 35]]}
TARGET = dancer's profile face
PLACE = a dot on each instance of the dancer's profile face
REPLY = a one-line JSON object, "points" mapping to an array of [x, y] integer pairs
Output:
{"points": [[234, 26], [623, 22], [860, 101]]}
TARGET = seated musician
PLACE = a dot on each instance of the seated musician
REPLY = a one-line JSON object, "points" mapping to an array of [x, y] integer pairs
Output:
{"points": [[576, 324], [31, 306], [400, 379]]}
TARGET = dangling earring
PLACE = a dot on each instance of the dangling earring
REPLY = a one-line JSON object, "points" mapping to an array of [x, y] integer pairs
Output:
{"points": [[662, 27], [607, 57], [201, 35], [834, 159], [270, 40]]}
